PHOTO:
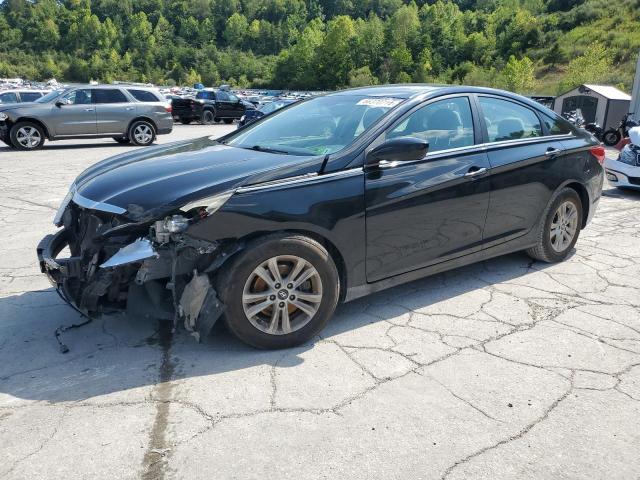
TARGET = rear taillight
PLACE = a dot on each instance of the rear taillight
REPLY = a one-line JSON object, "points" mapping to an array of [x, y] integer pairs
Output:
{"points": [[598, 153], [168, 108]]}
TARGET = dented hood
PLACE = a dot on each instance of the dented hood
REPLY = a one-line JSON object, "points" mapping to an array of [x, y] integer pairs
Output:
{"points": [[154, 180]]}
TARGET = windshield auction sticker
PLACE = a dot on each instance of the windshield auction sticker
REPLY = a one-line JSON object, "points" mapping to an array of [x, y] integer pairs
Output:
{"points": [[380, 102]]}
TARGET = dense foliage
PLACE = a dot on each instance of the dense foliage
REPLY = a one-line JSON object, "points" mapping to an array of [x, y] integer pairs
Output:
{"points": [[522, 45]]}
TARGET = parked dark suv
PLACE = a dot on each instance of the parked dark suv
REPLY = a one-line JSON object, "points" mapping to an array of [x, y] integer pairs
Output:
{"points": [[209, 106], [326, 200], [128, 114]]}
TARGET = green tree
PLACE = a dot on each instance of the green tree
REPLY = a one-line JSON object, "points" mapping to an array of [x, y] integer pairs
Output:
{"points": [[593, 66], [236, 29], [361, 77], [519, 75]]}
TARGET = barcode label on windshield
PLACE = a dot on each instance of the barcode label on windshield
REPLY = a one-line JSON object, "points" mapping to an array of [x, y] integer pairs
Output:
{"points": [[379, 102]]}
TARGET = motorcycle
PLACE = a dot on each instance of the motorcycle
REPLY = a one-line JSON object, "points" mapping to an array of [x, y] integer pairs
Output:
{"points": [[595, 129], [574, 117], [612, 136]]}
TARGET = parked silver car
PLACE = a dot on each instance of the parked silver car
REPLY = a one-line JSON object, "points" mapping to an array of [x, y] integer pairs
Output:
{"points": [[128, 114], [20, 96]]}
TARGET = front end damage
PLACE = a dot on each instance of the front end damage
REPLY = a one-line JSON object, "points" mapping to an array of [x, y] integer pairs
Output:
{"points": [[102, 262]]}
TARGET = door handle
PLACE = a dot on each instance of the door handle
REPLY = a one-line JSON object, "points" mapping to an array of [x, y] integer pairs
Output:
{"points": [[129, 108], [88, 109], [552, 152], [475, 172]]}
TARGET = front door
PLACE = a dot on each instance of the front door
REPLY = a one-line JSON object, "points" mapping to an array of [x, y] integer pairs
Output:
{"points": [[114, 111], [76, 115], [424, 212]]}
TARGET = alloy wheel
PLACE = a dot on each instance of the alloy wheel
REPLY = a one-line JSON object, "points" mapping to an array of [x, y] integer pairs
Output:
{"points": [[564, 226], [143, 133], [28, 137], [282, 295]]}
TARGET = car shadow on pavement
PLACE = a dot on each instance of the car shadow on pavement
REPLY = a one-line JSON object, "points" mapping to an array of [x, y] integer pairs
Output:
{"points": [[116, 354], [623, 193]]}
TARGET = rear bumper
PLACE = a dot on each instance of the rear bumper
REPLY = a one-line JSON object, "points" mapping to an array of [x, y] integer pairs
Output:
{"points": [[165, 131]]}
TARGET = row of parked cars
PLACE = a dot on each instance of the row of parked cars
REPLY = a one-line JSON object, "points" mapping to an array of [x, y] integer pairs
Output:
{"points": [[130, 114]]}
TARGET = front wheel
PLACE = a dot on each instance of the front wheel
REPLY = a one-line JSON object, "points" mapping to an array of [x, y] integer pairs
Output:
{"points": [[560, 228], [611, 137], [142, 133], [27, 136], [279, 292]]}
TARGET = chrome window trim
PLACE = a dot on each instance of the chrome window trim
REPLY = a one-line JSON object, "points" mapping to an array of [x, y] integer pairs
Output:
{"points": [[89, 204], [300, 179]]}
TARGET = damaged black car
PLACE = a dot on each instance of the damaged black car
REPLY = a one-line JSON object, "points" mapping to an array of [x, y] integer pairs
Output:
{"points": [[326, 200]]}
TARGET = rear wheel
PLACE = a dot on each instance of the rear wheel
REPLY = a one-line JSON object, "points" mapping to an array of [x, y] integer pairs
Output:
{"points": [[560, 228], [228, 120], [122, 140], [279, 292], [142, 133], [611, 137], [27, 136], [207, 117]]}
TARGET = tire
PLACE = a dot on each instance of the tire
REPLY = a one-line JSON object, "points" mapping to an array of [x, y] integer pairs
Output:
{"points": [[228, 121], [208, 117], [551, 247], [238, 278], [142, 133], [122, 140], [185, 121], [27, 136], [611, 137]]}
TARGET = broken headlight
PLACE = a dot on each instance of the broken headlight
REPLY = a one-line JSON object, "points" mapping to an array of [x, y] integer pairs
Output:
{"points": [[208, 205], [162, 229]]}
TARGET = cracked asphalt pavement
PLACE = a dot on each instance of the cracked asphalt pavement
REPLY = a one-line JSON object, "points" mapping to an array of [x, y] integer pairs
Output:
{"points": [[507, 369]]}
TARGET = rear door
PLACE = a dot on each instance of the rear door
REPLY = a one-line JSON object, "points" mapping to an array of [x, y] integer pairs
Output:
{"points": [[524, 173], [428, 211], [114, 111], [78, 117], [236, 107]]}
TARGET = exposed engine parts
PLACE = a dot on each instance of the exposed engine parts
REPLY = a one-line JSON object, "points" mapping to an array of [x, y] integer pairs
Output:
{"points": [[161, 273]]}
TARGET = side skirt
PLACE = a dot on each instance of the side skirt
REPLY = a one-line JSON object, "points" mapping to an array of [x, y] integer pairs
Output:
{"points": [[515, 245]]}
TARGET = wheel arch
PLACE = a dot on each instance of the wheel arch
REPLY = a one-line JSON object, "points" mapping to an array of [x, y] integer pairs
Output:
{"points": [[330, 246], [145, 118], [36, 121]]}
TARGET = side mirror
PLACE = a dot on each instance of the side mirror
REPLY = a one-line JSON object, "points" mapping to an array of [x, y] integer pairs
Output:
{"points": [[402, 149], [64, 101]]}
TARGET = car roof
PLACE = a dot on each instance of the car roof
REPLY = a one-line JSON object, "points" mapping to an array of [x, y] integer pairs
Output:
{"points": [[23, 90]]}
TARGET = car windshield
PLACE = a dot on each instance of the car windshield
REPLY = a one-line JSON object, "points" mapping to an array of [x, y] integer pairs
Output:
{"points": [[320, 126], [50, 96]]}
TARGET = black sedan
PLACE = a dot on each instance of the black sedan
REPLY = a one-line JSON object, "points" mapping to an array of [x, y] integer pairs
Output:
{"points": [[254, 114], [328, 200]]}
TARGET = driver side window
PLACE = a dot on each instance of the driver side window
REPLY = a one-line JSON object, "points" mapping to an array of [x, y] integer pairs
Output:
{"points": [[81, 96], [444, 124]]}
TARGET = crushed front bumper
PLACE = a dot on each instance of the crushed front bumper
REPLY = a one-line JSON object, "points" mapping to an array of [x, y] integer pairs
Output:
{"points": [[56, 269]]}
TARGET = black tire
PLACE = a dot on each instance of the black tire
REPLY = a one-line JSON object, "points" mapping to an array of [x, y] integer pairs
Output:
{"points": [[611, 137], [185, 121], [544, 250], [138, 138], [18, 141], [228, 121], [122, 140], [231, 280], [208, 117]]}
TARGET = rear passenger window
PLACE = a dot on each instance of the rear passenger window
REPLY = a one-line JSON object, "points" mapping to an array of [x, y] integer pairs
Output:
{"points": [[508, 121], [556, 126], [143, 95], [30, 96], [108, 96], [8, 97], [444, 124]]}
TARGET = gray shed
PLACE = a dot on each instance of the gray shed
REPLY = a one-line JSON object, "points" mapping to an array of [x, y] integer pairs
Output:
{"points": [[603, 104]]}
